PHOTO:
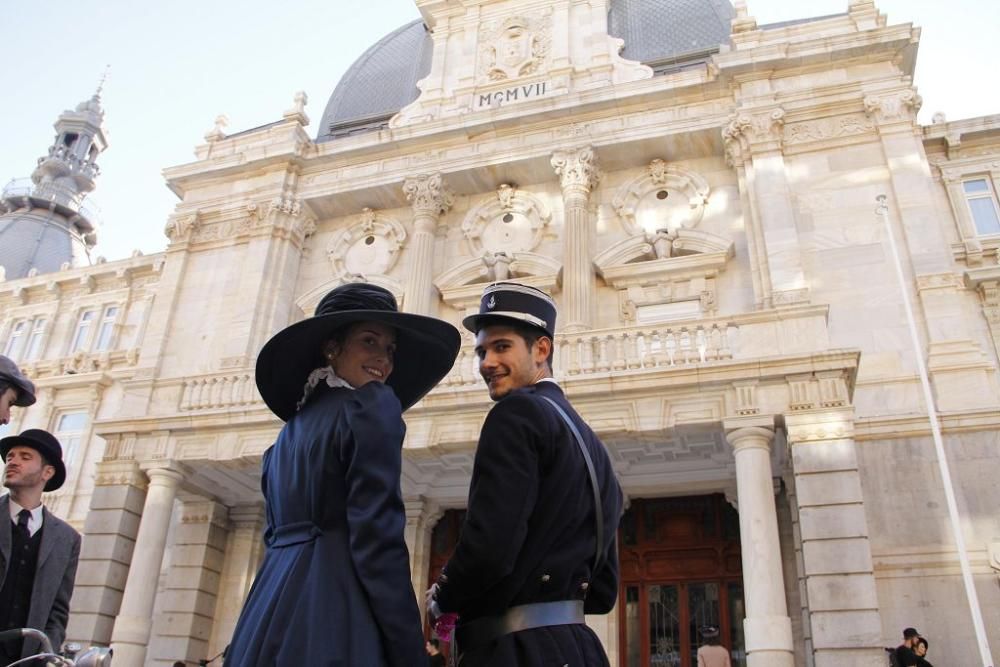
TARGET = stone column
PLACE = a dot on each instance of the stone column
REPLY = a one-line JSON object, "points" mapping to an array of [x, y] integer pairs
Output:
{"points": [[754, 144], [188, 604], [109, 535], [767, 626], [131, 632], [421, 517], [579, 174], [431, 198], [244, 552], [843, 614]]}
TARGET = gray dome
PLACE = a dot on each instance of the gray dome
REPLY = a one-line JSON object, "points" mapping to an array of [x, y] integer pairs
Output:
{"points": [[659, 33], [38, 239]]}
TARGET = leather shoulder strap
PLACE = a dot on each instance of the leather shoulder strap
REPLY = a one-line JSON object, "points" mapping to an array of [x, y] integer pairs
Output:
{"points": [[595, 487]]}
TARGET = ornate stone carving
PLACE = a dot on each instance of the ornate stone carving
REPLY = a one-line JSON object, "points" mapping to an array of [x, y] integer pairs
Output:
{"points": [[515, 47], [180, 226], [828, 128], [428, 194], [511, 222], [893, 107], [577, 168], [664, 199], [370, 246], [745, 130]]}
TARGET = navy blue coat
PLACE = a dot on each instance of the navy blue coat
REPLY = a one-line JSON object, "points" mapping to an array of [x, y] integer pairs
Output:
{"points": [[529, 532], [334, 588]]}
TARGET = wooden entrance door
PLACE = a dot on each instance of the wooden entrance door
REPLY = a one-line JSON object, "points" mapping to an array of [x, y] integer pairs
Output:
{"points": [[681, 570]]}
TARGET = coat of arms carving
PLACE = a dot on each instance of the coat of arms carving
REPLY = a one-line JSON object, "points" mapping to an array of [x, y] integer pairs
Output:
{"points": [[515, 47]]}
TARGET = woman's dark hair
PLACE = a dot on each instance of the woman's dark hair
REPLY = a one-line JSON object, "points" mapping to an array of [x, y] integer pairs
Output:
{"points": [[435, 642], [921, 640]]}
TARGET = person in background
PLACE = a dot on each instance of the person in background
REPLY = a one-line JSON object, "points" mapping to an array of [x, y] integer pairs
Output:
{"points": [[38, 551], [906, 653], [920, 648], [712, 653], [434, 656]]}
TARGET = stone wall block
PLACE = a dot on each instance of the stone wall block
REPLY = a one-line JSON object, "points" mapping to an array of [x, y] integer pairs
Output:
{"points": [[828, 456], [834, 521], [185, 602], [101, 573], [107, 547], [842, 592], [194, 579], [197, 556], [129, 498], [111, 521], [837, 556], [835, 488], [854, 658], [846, 629]]}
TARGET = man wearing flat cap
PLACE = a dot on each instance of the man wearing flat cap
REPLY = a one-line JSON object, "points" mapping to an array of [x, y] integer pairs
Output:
{"points": [[38, 551], [538, 547]]}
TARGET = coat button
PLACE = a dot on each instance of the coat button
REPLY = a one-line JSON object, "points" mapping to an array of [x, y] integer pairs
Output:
{"points": [[545, 578], [584, 586]]}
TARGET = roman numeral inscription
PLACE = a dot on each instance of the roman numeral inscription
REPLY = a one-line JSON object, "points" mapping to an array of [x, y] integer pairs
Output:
{"points": [[512, 94]]}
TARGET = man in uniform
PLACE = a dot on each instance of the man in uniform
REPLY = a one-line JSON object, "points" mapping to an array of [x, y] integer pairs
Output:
{"points": [[538, 546]]}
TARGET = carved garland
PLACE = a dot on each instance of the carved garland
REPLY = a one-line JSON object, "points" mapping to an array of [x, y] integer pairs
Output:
{"points": [[370, 246], [659, 176]]}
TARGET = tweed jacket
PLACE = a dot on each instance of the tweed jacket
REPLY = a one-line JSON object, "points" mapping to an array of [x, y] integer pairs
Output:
{"points": [[54, 576]]}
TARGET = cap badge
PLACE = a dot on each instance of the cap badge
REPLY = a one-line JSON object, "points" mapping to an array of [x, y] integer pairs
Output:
{"points": [[492, 303]]}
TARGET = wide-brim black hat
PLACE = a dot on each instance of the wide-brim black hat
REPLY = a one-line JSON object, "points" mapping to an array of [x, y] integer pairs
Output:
{"points": [[45, 444], [514, 302], [9, 372], [425, 347]]}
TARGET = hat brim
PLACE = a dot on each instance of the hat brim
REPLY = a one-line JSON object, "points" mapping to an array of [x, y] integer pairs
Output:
{"points": [[426, 349], [25, 392], [52, 457], [476, 322]]}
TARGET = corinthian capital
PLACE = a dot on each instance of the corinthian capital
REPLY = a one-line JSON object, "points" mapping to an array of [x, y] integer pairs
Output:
{"points": [[901, 105], [747, 130], [577, 168], [429, 195]]}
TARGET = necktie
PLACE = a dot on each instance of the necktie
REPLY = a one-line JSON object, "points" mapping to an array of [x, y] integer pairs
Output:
{"points": [[22, 522]]}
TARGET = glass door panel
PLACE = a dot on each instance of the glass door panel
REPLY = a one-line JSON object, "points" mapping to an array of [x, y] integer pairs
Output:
{"points": [[703, 609], [633, 632], [664, 626], [737, 612]]}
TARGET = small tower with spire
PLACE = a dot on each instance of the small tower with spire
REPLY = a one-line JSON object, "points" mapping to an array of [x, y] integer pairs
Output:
{"points": [[47, 221]]}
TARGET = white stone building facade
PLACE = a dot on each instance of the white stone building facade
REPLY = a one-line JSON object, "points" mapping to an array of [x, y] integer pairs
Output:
{"points": [[730, 325]]}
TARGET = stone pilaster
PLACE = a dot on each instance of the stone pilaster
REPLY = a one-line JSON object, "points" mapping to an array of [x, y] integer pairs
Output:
{"points": [[803, 611], [579, 174], [753, 140], [767, 626], [244, 552], [130, 636], [109, 535], [183, 629], [430, 198], [843, 614], [421, 517]]}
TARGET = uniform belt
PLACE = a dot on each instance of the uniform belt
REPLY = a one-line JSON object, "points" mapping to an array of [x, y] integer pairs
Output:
{"points": [[482, 631], [292, 533]]}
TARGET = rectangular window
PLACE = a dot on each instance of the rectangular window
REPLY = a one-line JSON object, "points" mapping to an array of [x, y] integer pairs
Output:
{"points": [[70, 428], [16, 341], [82, 330], [35, 341], [106, 334], [982, 205]]}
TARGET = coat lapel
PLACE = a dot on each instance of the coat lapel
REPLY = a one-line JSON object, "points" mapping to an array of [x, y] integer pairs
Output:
{"points": [[49, 538]]}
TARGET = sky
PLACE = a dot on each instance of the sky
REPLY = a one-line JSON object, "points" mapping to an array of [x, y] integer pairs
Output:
{"points": [[175, 65]]}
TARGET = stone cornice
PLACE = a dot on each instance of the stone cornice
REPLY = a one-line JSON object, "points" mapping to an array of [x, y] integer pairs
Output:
{"points": [[893, 427], [120, 273]]}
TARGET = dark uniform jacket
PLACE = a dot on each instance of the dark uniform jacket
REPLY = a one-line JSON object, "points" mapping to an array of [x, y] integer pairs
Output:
{"points": [[55, 572], [334, 588], [529, 532]]}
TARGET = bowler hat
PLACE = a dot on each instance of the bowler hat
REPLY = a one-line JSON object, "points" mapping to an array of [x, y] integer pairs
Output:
{"points": [[514, 302], [9, 372], [425, 347], [45, 444], [709, 631]]}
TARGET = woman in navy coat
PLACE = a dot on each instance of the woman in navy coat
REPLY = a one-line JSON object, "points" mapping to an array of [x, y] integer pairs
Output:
{"points": [[334, 588]]}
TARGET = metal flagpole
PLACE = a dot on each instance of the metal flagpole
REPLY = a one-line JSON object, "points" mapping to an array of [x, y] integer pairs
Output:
{"points": [[882, 210]]}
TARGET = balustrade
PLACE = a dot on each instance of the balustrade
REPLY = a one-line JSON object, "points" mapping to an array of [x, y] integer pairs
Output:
{"points": [[220, 391], [631, 349]]}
